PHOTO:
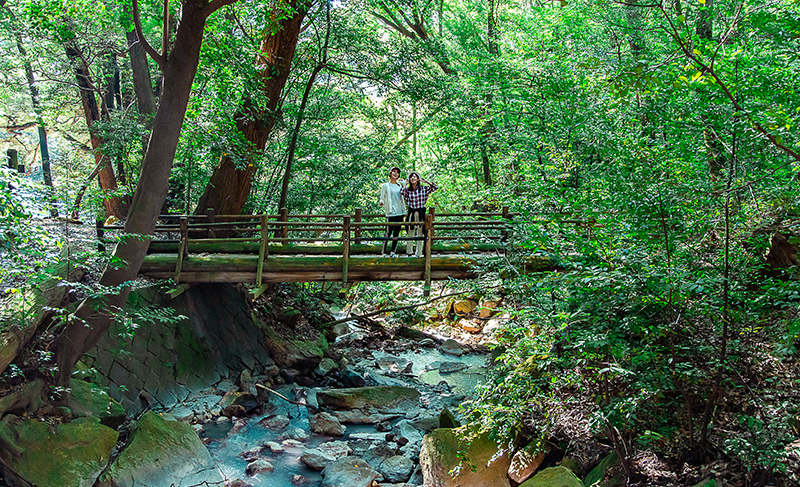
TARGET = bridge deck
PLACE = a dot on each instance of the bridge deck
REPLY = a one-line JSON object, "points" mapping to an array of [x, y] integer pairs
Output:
{"points": [[264, 249]]}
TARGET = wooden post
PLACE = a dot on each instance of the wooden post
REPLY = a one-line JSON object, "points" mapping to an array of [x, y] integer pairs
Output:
{"points": [[346, 247], [212, 217], [263, 251], [504, 232], [428, 242], [183, 250], [357, 225], [13, 158], [283, 230], [100, 224], [20, 168]]}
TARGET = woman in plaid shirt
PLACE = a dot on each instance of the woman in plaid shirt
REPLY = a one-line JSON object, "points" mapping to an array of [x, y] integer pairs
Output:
{"points": [[416, 195]]}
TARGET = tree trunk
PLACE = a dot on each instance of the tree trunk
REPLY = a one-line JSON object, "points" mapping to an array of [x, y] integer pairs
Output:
{"points": [[94, 316], [715, 149], [229, 187], [114, 205]]}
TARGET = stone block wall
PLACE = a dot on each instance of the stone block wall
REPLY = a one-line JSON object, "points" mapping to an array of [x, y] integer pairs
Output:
{"points": [[209, 335]]}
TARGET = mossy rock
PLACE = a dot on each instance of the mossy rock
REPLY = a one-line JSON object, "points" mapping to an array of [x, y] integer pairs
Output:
{"points": [[573, 464], [88, 399], [383, 398], [60, 455], [162, 453], [553, 477], [447, 419], [598, 473], [476, 461], [297, 354]]}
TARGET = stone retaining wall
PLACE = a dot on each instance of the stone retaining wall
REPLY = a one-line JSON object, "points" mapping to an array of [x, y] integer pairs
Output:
{"points": [[166, 360]]}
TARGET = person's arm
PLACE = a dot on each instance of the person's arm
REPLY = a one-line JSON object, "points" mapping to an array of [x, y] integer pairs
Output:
{"points": [[431, 185], [383, 197]]}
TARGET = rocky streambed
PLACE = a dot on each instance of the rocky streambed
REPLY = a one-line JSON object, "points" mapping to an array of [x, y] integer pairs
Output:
{"points": [[318, 436]]}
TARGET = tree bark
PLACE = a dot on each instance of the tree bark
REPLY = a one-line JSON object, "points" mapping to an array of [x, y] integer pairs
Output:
{"points": [[229, 187], [114, 205], [94, 316]]}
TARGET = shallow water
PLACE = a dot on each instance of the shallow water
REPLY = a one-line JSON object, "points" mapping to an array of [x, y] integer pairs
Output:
{"points": [[226, 447], [425, 365]]}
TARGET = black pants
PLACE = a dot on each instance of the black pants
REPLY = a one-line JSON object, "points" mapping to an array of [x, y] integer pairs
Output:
{"points": [[392, 231]]}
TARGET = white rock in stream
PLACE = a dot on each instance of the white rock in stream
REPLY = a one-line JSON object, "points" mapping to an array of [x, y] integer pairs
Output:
{"points": [[326, 424], [348, 472], [397, 469], [336, 449], [258, 466], [450, 367], [316, 459], [274, 447]]}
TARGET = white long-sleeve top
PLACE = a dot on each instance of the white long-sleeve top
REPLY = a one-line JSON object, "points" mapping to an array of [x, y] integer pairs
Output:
{"points": [[391, 201]]}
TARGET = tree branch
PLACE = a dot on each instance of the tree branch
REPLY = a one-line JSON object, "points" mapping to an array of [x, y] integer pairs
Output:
{"points": [[137, 27]]}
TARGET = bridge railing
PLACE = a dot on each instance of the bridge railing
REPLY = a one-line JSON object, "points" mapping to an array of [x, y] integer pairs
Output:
{"points": [[344, 235]]}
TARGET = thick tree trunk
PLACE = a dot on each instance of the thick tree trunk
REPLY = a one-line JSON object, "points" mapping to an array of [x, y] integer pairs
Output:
{"points": [[229, 187], [94, 316], [114, 205]]}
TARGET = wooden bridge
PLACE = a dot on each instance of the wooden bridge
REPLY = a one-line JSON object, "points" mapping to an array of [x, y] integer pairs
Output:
{"points": [[263, 249]]}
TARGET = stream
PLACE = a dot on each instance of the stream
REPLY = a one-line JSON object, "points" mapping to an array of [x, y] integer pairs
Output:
{"points": [[424, 370]]}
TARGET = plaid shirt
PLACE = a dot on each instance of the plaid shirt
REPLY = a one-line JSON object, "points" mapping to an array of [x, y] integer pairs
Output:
{"points": [[417, 198]]}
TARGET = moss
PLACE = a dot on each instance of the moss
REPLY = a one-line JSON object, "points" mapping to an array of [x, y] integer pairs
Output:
{"points": [[378, 396], [554, 477], [91, 400], [158, 449], [63, 455]]}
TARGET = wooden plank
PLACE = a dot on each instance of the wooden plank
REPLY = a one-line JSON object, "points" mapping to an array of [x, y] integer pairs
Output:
{"points": [[178, 290], [252, 246]]}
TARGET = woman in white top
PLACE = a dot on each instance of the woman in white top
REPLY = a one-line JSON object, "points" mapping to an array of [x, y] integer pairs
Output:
{"points": [[395, 209]]}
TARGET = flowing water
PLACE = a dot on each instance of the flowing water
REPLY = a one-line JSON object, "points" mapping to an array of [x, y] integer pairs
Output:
{"points": [[226, 446]]}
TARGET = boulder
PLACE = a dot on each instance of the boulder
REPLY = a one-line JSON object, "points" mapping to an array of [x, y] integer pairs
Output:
{"points": [[470, 326], [573, 464], [275, 423], [336, 449], [464, 306], [384, 399], [443, 450], [451, 347], [397, 469], [447, 419], [598, 473], [525, 462], [488, 308], [258, 466], [316, 459], [326, 366], [58, 455], [450, 367], [326, 424], [554, 477], [162, 453], [303, 355], [348, 472]]}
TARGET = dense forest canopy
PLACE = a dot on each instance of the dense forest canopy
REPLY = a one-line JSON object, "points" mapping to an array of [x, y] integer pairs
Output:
{"points": [[670, 129]]}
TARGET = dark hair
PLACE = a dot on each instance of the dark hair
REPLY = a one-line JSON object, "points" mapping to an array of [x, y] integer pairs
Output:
{"points": [[409, 179]]}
